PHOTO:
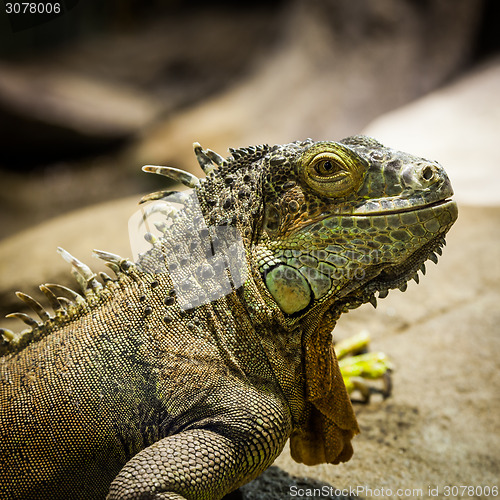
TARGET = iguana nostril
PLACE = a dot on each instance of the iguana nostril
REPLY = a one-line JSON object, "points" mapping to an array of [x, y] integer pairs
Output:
{"points": [[428, 173]]}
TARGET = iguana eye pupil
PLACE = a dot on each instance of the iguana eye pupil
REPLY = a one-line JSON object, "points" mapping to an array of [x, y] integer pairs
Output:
{"points": [[326, 167]]}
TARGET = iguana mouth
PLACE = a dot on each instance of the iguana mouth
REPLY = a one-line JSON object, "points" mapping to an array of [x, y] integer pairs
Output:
{"points": [[410, 208], [395, 205]]}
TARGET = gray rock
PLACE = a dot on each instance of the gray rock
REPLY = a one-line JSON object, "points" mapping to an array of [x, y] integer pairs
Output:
{"points": [[457, 126]]}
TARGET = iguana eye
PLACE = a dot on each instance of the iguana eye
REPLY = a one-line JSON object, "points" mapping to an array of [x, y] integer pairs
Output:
{"points": [[333, 170], [326, 167]]}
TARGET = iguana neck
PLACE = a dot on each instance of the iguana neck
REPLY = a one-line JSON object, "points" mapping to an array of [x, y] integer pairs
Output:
{"points": [[285, 341]]}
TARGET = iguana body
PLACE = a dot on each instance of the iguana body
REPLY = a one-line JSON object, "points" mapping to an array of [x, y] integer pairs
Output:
{"points": [[188, 383]]}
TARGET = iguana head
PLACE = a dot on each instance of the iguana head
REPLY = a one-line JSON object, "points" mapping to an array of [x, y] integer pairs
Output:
{"points": [[343, 220]]}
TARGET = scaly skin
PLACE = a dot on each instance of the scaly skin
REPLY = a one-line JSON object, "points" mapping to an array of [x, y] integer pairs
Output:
{"points": [[187, 384]]}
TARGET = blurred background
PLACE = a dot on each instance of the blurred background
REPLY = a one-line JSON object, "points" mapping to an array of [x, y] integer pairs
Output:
{"points": [[89, 96]]}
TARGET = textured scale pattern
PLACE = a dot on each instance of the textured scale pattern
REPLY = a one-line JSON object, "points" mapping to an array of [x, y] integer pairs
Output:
{"points": [[183, 376]]}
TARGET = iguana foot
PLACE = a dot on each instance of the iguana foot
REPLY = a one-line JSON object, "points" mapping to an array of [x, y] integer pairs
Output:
{"points": [[357, 365]]}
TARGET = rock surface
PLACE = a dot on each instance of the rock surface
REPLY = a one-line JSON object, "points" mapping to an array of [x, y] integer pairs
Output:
{"points": [[457, 126]]}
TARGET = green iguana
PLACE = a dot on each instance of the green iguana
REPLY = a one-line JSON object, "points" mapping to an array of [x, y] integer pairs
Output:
{"points": [[184, 376]]}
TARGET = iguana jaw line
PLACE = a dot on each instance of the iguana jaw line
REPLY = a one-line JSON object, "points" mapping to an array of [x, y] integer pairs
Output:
{"points": [[366, 292], [386, 206], [409, 208], [353, 297], [398, 275]]}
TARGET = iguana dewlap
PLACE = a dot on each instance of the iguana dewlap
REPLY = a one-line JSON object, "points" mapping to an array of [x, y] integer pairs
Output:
{"points": [[184, 376]]}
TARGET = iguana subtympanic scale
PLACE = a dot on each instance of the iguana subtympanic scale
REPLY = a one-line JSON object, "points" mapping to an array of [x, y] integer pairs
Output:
{"points": [[184, 376]]}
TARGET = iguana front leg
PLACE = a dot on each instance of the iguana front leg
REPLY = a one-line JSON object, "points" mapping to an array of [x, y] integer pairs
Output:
{"points": [[192, 464], [205, 463]]}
